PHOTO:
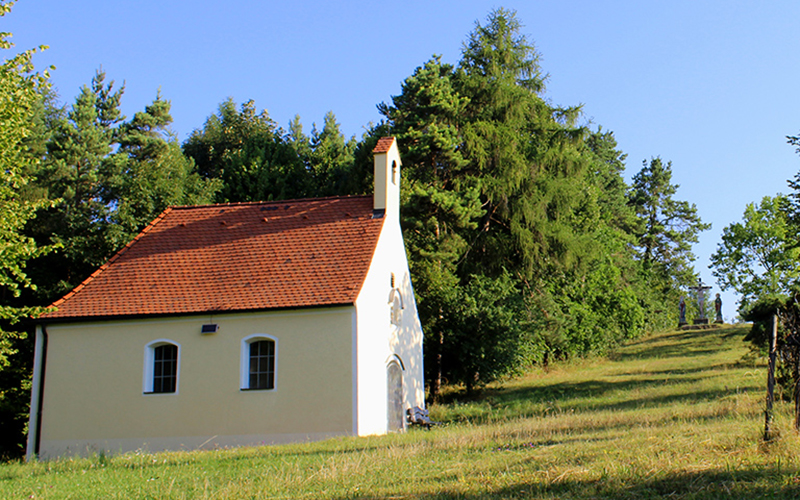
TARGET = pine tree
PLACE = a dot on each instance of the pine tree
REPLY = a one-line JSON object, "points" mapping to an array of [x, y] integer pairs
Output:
{"points": [[438, 209], [73, 172], [490, 192], [503, 191], [108, 178], [668, 226], [149, 173]]}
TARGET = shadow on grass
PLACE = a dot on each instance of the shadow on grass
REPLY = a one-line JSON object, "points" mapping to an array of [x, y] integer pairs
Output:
{"points": [[711, 484], [676, 372], [627, 389], [680, 344], [588, 396]]}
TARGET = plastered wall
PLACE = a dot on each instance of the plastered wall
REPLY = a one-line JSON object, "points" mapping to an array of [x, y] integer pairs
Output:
{"points": [[93, 394]]}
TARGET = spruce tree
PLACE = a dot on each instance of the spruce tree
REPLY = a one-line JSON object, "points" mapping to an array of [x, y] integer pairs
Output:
{"points": [[490, 193]]}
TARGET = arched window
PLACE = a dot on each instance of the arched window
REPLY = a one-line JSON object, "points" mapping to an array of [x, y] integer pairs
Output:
{"points": [[259, 362], [161, 367]]}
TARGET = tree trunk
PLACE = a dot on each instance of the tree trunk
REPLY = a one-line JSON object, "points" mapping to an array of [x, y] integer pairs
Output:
{"points": [[436, 383]]}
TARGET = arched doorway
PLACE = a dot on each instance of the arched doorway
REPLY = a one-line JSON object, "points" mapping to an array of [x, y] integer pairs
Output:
{"points": [[394, 392]]}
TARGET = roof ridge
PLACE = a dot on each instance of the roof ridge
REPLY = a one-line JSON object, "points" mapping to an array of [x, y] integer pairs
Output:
{"points": [[270, 202]]}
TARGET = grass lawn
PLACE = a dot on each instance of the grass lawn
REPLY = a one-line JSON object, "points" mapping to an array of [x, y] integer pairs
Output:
{"points": [[675, 415]]}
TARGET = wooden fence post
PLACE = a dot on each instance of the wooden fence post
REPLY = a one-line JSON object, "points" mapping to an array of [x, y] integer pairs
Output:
{"points": [[773, 348], [796, 388]]}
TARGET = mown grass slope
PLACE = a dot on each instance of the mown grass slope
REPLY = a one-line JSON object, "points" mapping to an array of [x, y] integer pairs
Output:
{"points": [[676, 415]]}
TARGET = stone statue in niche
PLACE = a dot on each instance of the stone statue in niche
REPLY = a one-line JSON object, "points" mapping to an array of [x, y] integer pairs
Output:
{"points": [[396, 305]]}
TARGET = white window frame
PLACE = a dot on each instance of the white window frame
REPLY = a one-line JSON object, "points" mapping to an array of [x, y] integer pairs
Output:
{"points": [[149, 364], [244, 362]]}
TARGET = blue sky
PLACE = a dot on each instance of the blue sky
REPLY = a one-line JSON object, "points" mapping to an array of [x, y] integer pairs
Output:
{"points": [[709, 85]]}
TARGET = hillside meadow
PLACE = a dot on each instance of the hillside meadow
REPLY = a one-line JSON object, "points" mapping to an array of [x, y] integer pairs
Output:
{"points": [[675, 415]]}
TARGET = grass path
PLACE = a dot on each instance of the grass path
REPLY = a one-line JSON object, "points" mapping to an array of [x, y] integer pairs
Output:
{"points": [[676, 415]]}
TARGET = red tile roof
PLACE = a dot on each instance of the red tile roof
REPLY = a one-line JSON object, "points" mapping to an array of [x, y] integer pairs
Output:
{"points": [[384, 143], [235, 257]]}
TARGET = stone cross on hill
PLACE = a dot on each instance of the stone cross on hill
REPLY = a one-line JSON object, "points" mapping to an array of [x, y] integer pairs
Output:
{"points": [[700, 290]]}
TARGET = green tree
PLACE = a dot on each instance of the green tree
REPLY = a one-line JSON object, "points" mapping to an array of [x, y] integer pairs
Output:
{"points": [[439, 209], [592, 304], [522, 152], [330, 160], [73, 172], [21, 90], [756, 257], [247, 151], [668, 226], [611, 191], [149, 173], [482, 331], [499, 186], [256, 160], [792, 208], [111, 177]]}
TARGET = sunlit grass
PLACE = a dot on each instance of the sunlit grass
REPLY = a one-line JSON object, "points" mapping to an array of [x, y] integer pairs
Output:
{"points": [[676, 415]]}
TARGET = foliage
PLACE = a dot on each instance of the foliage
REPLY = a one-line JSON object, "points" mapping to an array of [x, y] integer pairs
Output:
{"points": [[256, 160], [793, 207], [668, 226], [499, 184], [755, 257], [149, 173], [72, 172], [329, 160], [20, 96], [246, 151], [111, 178], [482, 332]]}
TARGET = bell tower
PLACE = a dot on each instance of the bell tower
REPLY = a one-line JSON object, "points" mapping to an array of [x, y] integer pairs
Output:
{"points": [[387, 176]]}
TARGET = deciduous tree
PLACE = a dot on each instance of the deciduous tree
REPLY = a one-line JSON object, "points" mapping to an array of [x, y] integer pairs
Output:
{"points": [[21, 90], [756, 257]]}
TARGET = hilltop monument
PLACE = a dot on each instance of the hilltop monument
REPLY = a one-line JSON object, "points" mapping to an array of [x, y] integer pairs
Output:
{"points": [[700, 291]]}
